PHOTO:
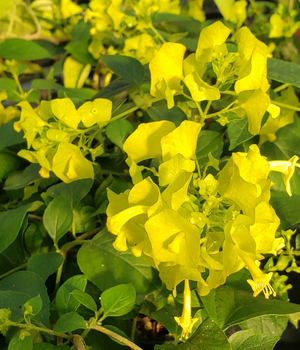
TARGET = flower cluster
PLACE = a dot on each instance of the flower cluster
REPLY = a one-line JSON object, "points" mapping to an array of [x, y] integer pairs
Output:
{"points": [[193, 226], [61, 136], [131, 22], [284, 21], [246, 69]]}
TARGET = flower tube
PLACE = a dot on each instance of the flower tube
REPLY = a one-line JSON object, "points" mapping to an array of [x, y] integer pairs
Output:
{"points": [[186, 322], [260, 282], [287, 168]]}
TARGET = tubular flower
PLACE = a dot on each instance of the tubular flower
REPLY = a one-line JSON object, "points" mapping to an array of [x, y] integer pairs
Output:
{"points": [[287, 168], [260, 282], [186, 322]]}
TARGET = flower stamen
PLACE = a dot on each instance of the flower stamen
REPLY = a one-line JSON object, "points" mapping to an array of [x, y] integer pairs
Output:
{"points": [[261, 281]]}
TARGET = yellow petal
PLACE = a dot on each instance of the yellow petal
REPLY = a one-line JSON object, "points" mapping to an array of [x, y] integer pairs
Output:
{"points": [[167, 66], [210, 37]]}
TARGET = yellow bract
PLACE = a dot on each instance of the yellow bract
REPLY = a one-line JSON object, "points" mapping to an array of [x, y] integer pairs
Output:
{"points": [[255, 105], [98, 111], [211, 38], [233, 11], [166, 72], [69, 164], [66, 112], [200, 90], [252, 62]]}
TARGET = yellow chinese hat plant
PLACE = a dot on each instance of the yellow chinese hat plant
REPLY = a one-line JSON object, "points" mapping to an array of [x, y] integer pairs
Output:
{"points": [[193, 226]]}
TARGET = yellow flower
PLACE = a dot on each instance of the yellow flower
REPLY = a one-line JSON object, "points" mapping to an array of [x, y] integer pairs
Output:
{"points": [[116, 222], [260, 282], [186, 322], [287, 168]]}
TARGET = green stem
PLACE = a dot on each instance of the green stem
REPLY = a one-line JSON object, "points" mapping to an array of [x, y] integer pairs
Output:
{"points": [[151, 26], [133, 109], [36, 217], [58, 276], [69, 245], [79, 240], [34, 18], [19, 86], [40, 329], [228, 92], [284, 105], [221, 112], [129, 111], [198, 167], [281, 87], [207, 108], [20, 267], [115, 336], [133, 329], [199, 109], [12, 20]]}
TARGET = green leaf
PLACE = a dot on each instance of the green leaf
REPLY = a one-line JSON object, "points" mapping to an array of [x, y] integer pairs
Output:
{"points": [[286, 207], [36, 238], [14, 49], [42, 84], [129, 68], [13, 256], [18, 344], [74, 191], [118, 131], [13, 301], [8, 164], [45, 264], [114, 88], [102, 264], [174, 114], [284, 71], [238, 132], [166, 317], [228, 306], [80, 93], [274, 325], [79, 49], [208, 336], [65, 301], [69, 322], [8, 135], [118, 300], [251, 340], [209, 141], [43, 346], [24, 178], [79, 44], [33, 306], [84, 299], [11, 223], [21, 286], [58, 217], [285, 146], [8, 84]]}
